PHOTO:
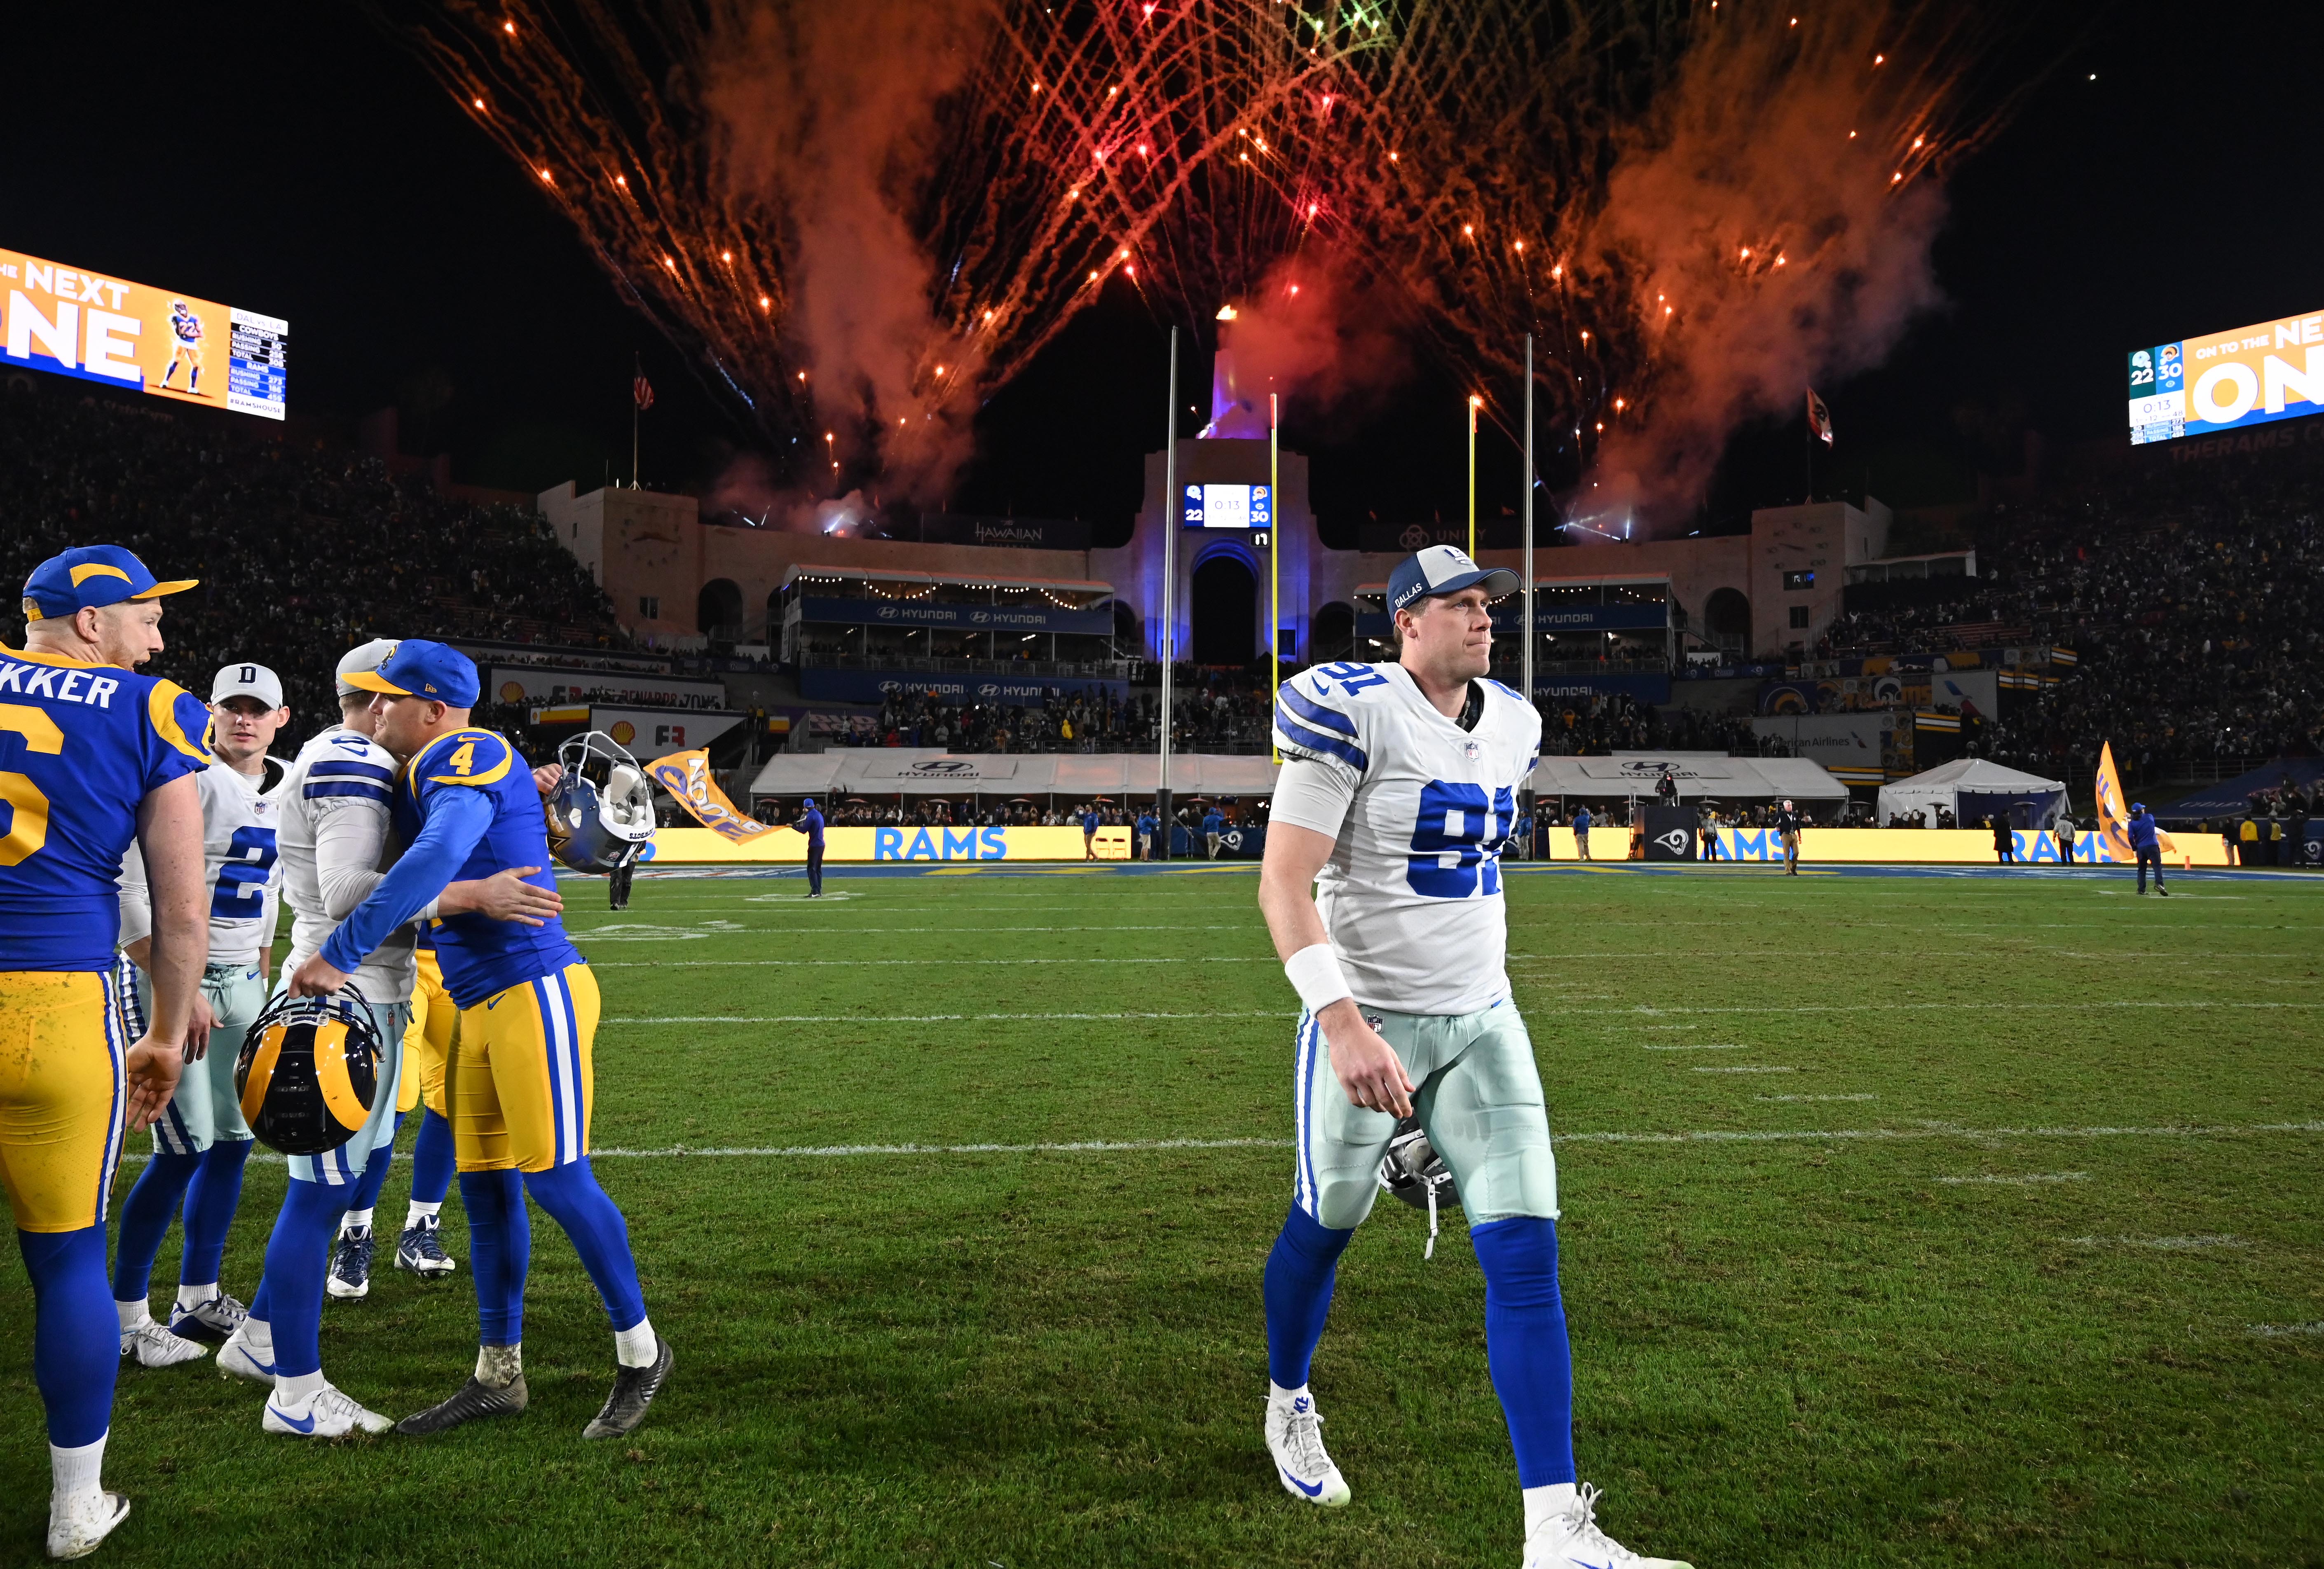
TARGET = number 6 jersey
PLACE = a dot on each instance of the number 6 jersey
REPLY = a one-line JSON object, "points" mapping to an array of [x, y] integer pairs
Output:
{"points": [[1419, 808]]}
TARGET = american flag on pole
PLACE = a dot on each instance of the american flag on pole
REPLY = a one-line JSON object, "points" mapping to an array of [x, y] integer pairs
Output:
{"points": [[641, 392], [1819, 417]]}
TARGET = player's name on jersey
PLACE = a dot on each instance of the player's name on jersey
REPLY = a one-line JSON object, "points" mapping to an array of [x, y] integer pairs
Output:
{"points": [[60, 685]]}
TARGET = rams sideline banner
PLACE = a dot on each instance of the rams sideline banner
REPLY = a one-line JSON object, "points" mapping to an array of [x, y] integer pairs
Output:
{"points": [[97, 328], [687, 845], [1899, 846]]}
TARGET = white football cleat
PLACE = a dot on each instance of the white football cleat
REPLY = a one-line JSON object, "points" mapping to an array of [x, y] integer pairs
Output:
{"points": [[236, 1360], [1573, 1541], [325, 1414], [1295, 1437], [78, 1523], [155, 1347]]}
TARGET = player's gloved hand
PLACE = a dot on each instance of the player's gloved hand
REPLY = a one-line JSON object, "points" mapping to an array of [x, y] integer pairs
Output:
{"points": [[198, 1025], [1369, 1071], [155, 1067], [317, 977], [506, 895]]}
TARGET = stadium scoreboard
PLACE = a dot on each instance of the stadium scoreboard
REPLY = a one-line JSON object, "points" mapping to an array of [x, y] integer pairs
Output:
{"points": [[1226, 506], [2201, 386], [97, 327]]}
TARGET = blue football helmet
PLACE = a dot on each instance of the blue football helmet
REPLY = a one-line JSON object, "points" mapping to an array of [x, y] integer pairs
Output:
{"points": [[601, 812]]}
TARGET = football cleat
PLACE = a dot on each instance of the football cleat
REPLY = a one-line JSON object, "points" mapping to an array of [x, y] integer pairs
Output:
{"points": [[476, 1400], [209, 1322], [420, 1249], [1295, 1436], [78, 1523], [350, 1275], [1573, 1541], [633, 1390], [237, 1360], [327, 1413], [155, 1347]]}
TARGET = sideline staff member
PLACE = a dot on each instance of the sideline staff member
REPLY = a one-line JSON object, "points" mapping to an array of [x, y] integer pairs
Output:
{"points": [[810, 823], [94, 755]]}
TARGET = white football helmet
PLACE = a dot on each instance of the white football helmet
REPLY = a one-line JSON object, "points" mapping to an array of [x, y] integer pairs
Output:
{"points": [[601, 814]]}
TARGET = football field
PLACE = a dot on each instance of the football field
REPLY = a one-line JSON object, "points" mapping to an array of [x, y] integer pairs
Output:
{"points": [[1910, 1219]]}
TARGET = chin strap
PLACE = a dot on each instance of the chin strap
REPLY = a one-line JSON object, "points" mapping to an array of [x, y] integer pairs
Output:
{"points": [[1430, 1251]]}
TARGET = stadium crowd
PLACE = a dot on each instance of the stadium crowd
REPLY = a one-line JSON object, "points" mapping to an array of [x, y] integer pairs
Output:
{"points": [[300, 553]]}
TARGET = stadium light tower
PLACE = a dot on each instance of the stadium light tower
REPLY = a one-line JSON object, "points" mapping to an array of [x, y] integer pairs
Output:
{"points": [[1524, 660], [1170, 644]]}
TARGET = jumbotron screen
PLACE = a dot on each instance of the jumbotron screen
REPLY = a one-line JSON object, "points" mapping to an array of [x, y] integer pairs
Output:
{"points": [[2203, 385], [101, 329]]}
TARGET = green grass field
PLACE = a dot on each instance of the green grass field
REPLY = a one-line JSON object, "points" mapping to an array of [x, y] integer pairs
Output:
{"points": [[1924, 1220]]}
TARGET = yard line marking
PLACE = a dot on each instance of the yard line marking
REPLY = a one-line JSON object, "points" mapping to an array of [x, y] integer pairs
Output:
{"points": [[1650, 1010], [2031, 1179], [1693, 1046], [2278, 1330], [2164, 1244], [1078, 1147], [1815, 1097], [926, 1018], [672, 934], [1746, 1070], [917, 963]]}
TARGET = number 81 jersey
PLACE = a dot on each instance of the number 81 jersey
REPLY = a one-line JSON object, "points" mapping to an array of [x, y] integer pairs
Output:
{"points": [[1412, 894]]}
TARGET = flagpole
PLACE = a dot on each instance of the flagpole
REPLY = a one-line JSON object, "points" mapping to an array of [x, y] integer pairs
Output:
{"points": [[1473, 477], [1168, 642], [639, 367], [1525, 662], [1273, 557]]}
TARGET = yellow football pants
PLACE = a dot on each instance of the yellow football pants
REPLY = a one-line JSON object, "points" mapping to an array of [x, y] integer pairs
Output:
{"points": [[62, 1096], [519, 1084], [427, 1041]]}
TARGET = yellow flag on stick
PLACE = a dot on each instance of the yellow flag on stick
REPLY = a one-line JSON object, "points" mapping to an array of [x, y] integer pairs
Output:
{"points": [[2114, 812], [686, 775]]}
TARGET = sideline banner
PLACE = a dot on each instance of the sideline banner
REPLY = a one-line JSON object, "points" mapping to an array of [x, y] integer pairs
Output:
{"points": [[686, 775], [95, 327], [1902, 846], [686, 846]]}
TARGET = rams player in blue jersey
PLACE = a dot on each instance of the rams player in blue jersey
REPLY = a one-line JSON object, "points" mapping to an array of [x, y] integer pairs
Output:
{"points": [[519, 1081], [92, 756]]}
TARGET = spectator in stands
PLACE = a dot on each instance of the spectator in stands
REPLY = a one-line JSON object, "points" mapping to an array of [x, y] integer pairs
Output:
{"points": [[1580, 831], [810, 823]]}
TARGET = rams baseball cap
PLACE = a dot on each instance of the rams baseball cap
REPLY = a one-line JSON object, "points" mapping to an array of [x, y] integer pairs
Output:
{"points": [[90, 575], [1443, 569], [419, 669], [366, 658], [248, 681]]}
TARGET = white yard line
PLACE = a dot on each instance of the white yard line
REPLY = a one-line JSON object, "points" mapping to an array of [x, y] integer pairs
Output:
{"points": [[1695, 1045], [1755, 1069], [1286, 1015], [2162, 1245], [1815, 1097], [2031, 1179], [916, 963], [2283, 1331]]}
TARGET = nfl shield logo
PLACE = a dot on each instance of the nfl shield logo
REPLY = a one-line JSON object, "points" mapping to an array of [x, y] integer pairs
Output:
{"points": [[1472, 750]]}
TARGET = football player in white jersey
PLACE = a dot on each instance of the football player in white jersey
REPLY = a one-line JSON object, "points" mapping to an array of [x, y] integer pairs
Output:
{"points": [[201, 1141], [1382, 888], [336, 845]]}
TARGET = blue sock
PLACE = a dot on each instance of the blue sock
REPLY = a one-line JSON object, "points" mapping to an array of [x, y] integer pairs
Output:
{"points": [[500, 1251], [1526, 1346], [375, 1177], [75, 1343], [1300, 1272], [573, 1199], [146, 1216], [211, 1200], [297, 1255], [432, 1160]]}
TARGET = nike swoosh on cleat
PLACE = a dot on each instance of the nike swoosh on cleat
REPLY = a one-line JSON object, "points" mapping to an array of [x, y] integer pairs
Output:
{"points": [[1315, 1492], [297, 1426]]}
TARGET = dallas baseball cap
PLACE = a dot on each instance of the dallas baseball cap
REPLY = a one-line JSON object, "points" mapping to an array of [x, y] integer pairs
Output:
{"points": [[88, 576], [248, 681], [1444, 569], [419, 669], [367, 657]]}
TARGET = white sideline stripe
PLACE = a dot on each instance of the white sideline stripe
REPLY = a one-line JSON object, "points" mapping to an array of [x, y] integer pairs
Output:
{"points": [[1714, 1136], [1746, 1070], [2166, 1244], [686, 934], [926, 1018], [1815, 1097], [1695, 1046], [1649, 1010], [916, 963], [2029, 1179], [2277, 1331]]}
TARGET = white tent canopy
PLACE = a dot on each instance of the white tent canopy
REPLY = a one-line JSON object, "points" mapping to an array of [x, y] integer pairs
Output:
{"points": [[1972, 789], [887, 770], [1700, 776]]}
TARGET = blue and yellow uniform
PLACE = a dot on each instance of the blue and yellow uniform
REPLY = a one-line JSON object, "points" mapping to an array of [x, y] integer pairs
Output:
{"points": [[518, 1086], [428, 1039], [81, 746]]}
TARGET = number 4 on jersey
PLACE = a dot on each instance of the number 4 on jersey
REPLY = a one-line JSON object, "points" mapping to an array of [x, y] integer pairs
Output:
{"points": [[1459, 820]]}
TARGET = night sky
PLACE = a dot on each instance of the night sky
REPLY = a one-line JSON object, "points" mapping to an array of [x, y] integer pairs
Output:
{"points": [[289, 156]]}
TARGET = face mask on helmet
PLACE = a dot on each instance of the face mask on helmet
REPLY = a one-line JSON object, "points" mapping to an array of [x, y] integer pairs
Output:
{"points": [[1417, 1173], [601, 812]]}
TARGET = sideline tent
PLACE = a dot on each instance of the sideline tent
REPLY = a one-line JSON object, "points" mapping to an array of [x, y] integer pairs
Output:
{"points": [[1700, 775], [887, 770], [1973, 790]]}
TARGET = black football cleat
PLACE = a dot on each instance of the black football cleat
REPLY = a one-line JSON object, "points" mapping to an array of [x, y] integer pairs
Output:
{"points": [[633, 1390], [476, 1401]]}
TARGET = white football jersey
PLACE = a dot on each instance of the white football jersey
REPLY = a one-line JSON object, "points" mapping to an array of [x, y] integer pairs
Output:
{"points": [[1420, 809], [336, 835], [238, 867]]}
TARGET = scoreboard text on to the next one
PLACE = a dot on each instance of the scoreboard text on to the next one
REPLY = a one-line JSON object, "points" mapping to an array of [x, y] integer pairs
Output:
{"points": [[97, 327], [2203, 385]]}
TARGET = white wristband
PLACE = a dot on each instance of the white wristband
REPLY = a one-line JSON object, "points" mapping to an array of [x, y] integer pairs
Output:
{"points": [[1314, 972]]}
